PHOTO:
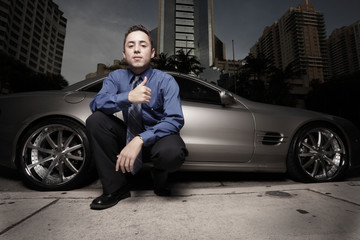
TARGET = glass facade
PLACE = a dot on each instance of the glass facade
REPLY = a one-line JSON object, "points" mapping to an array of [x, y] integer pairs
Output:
{"points": [[184, 26], [33, 31], [187, 25]]}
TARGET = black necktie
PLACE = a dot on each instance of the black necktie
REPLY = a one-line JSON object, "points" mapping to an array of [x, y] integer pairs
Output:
{"points": [[134, 125]]}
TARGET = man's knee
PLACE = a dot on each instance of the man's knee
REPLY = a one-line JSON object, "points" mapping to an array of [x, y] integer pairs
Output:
{"points": [[102, 126], [97, 124], [170, 157]]}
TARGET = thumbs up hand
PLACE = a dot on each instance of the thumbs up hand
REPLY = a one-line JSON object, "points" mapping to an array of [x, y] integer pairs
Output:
{"points": [[140, 94]]}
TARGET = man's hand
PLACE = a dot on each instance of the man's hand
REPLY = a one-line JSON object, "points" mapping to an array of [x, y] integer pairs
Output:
{"points": [[140, 94], [127, 156]]}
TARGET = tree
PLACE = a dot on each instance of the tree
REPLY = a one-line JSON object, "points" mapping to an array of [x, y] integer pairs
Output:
{"points": [[279, 87], [17, 77], [257, 66], [162, 62], [185, 63], [260, 81], [254, 77]]}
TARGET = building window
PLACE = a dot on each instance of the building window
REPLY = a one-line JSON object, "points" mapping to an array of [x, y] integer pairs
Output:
{"points": [[184, 29], [190, 2], [185, 8], [23, 50], [13, 43], [184, 36], [184, 22], [32, 64], [184, 44], [23, 58], [185, 15]]}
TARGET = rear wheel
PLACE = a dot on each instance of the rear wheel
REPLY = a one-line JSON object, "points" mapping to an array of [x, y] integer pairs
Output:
{"points": [[317, 154], [54, 155]]}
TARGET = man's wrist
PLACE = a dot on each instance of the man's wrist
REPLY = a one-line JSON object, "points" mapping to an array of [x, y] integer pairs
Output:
{"points": [[130, 97]]}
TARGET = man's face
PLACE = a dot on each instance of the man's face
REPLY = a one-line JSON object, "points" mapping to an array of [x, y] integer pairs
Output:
{"points": [[138, 52]]}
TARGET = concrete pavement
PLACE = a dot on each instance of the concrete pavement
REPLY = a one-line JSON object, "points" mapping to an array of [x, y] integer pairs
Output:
{"points": [[288, 211]]}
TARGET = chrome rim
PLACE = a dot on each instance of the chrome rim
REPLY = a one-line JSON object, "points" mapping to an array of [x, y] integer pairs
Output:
{"points": [[53, 155], [321, 154]]}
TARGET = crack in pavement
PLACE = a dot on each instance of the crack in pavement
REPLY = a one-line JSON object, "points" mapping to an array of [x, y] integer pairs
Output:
{"points": [[26, 218], [333, 197]]}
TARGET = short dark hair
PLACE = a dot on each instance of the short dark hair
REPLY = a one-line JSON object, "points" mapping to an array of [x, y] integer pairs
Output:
{"points": [[138, 28]]}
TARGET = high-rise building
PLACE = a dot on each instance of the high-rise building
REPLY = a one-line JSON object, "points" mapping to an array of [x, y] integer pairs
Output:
{"points": [[33, 31], [187, 25], [297, 38], [344, 49]]}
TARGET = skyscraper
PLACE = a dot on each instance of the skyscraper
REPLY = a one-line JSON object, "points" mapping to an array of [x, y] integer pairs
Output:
{"points": [[297, 38], [187, 25], [33, 31], [344, 49]]}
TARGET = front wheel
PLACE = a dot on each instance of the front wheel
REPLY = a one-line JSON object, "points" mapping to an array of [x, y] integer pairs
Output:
{"points": [[317, 154], [54, 155]]}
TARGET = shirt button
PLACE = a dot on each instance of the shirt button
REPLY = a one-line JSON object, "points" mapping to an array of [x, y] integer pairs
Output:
{"points": [[152, 109]]}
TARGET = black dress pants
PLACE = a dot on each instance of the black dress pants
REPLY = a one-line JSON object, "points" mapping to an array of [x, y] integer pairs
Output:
{"points": [[107, 136]]}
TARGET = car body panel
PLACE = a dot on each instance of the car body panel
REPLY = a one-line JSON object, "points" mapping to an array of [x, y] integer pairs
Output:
{"points": [[216, 133], [244, 136], [34, 106]]}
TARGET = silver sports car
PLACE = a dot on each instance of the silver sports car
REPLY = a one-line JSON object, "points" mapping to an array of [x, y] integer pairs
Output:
{"points": [[43, 135]]}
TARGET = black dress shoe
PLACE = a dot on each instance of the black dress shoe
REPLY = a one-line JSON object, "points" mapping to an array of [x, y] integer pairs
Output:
{"points": [[160, 182], [109, 200], [163, 192]]}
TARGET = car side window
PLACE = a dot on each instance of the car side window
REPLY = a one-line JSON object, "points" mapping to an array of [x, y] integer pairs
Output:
{"points": [[195, 92]]}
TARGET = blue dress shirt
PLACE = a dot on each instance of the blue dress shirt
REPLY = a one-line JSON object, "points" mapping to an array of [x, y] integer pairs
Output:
{"points": [[162, 116]]}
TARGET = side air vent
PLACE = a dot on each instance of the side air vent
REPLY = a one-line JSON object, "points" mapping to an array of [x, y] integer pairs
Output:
{"points": [[270, 138]]}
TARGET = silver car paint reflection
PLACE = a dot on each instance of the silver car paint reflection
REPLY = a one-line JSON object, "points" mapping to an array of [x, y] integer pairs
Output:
{"points": [[243, 136]]}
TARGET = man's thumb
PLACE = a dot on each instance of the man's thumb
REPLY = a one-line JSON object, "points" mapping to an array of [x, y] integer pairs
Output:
{"points": [[143, 82]]}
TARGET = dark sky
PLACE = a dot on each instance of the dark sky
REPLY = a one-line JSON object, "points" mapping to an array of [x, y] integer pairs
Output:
{"points": [[95, 29]]}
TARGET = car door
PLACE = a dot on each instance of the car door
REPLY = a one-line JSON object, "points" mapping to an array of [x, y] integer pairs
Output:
{"points": [[214, 132]]}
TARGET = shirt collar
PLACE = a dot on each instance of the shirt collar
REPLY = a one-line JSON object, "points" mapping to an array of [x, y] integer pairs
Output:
{"points": [[146, 73]]}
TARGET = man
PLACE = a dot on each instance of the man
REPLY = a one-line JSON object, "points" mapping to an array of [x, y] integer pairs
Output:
{"points": [[158, 123]]}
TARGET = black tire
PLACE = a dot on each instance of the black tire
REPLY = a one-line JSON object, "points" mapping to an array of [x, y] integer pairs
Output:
{"points": [[54, 154], [318, 154]]}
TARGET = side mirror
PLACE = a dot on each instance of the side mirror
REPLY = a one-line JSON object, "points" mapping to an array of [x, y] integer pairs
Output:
{"points": [[226, 98]]}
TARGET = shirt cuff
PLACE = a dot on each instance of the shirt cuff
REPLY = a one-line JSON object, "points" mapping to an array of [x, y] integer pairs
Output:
{"points": [[123, 99], [148, 137]]}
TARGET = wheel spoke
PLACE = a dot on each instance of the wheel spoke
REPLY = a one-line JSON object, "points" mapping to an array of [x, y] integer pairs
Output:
{"points": [[328, 142], [60, 138], [78, 158], [323, 167], [61, 171], [70, 166], [73, 148], [308, 163], [311, 148], [312, 141], [31, 166], [40, 149], [318, 144], [50, 169], [50, 141], [316, 168], [308, 154], [329, 161], [68, 141]]}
